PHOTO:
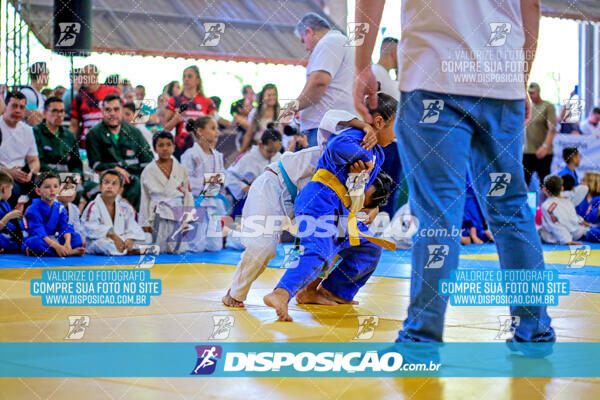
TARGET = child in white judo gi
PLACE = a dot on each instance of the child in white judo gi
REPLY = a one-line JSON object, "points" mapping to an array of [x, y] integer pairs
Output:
{"points": [[166, 206], [560, 222], [66, 195], [108, 222], [271, 197], [206, 170], [241, 174]]}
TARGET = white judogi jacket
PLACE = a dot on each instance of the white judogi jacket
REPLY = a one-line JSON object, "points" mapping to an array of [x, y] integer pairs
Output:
{"points": [[302, 165], [199, 163], [560, 222], [74, 217], [246, 169], [97, 223], [161, 195]]}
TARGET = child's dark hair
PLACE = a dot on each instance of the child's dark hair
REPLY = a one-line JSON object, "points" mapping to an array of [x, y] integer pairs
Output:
{"points": [[386, 106], [45, 176], [193, 124], [384, 185], [270, 135], [6, 178], [568, 182], [569, 153], [216, 101], [162, 135], [130, 106], [113, 172], [553, 184]]}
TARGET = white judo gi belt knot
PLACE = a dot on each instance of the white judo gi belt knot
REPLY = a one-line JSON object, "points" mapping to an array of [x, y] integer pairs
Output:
{"points": [[366, 326], [578, 256], [498, 33], [222, 325], [499, 183], [77, 326], [508, 326]]}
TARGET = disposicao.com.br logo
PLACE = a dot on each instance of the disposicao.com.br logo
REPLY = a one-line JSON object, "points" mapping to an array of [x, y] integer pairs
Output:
{"points": [[323, 362]]}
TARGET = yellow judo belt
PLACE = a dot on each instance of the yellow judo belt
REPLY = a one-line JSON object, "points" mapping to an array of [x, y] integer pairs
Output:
{"points": [[331, 181]]}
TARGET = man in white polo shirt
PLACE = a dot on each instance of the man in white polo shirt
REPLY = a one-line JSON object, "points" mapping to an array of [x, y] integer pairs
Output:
{"points": [[591, 126], [463, 69], [18, 151], [329, 74]]}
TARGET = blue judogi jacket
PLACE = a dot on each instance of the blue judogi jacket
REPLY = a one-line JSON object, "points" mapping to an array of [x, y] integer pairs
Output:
{"points": [[42, 220], [567, 171], [341, 152]]}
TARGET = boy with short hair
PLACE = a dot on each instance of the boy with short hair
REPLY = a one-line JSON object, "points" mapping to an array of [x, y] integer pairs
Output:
{"points": [[572, 158], [46, 221], [560, 222], [167, 205], [11, 233], [109, 222]]}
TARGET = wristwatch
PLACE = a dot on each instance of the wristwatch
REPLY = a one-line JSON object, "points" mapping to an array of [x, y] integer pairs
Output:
{"points": [[544, 145]]}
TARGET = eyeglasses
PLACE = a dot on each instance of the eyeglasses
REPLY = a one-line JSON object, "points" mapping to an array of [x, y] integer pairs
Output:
{"points": [[55, 111]]}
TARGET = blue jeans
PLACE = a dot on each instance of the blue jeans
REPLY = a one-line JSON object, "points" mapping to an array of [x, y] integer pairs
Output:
{"points": [[485, 135], [311, 135]]}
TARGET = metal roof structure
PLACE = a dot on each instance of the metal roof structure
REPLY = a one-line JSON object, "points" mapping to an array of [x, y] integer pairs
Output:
{"points": [[254, 30]]}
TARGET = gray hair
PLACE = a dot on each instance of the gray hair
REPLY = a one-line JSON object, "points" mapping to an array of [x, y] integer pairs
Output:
{"points": [[313, 21]]}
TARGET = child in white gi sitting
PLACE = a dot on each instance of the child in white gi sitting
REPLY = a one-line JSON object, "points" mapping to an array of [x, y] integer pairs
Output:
{"points": [[167, 205], [108, 222], [560, 222]]}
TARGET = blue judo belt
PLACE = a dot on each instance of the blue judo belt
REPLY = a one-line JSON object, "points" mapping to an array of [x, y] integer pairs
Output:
{"points": [[293, 189]]}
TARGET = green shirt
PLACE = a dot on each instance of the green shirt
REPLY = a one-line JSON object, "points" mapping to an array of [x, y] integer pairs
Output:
{"points": [[57, 152], [129, 151], [542, 116]]}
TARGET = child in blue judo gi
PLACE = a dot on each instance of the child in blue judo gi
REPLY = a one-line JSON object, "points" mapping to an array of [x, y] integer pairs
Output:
{"points": [[46, 221], [11, 233], [326, 195]]}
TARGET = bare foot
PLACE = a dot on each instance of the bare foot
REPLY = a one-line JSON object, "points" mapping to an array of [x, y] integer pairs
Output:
{"points": [[230, 301], [278, 299], [465, 240], [489, 235], [333, 297], [78, 251], [310, 295], [474, 237]]}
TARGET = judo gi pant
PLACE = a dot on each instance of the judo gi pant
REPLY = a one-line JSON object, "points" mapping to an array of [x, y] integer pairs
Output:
{"points": [[207, 234], [8, 245], [264, 200], [435, 152], [592, 235], [165, 237], [106, 247], [38, 246], [356, 266]]}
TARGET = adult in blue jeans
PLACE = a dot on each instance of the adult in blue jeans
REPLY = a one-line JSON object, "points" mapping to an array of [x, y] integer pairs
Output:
{"points": [[451, 119]]}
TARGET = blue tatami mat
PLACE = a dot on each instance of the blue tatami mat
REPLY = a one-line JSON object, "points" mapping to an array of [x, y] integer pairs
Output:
{"points": [[391, 265]]}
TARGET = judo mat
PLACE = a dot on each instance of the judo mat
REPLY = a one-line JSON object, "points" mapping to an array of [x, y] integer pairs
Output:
{"points": [[192, 287]]}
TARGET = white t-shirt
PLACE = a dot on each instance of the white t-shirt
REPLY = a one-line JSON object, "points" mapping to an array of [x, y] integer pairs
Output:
{"points": [[587, 129], [17, 143], [470, 48], [332, 56], [388, 85]]}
